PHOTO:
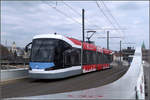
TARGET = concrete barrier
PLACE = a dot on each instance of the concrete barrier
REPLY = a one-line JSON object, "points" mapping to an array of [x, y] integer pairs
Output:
{"points": [[12, 74]]}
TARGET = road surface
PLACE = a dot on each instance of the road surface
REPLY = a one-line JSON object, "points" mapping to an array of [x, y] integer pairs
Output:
{"points": [[32, 87]]}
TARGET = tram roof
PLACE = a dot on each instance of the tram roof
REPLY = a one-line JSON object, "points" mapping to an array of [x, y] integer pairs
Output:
{"points": [[74, 42]]}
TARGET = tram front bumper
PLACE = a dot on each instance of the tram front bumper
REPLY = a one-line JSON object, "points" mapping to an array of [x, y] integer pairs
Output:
{"points": [[54, 74]]}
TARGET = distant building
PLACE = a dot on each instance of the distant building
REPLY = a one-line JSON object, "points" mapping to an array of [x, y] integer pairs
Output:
{"points": [[145, 53], [125, 54], [20, 52], [128, 54], [117, 56], [5, 54], [14, 49], [143, 46]]}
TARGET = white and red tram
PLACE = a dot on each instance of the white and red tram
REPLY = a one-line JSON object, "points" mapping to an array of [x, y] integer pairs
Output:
{"points": [[55, 56]]}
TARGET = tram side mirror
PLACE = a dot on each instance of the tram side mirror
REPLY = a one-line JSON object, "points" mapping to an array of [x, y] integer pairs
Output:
{"points": [[27, 47]]}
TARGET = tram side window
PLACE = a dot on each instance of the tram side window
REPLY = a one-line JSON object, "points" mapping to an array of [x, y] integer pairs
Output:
{"points": [[75, 57], [88, 55], [84, 57], [60, 59], [72, 57], [94, 58], [91, 57], [99, 58], [105, 58], [67, 58], [78, 57], [110, 58], [73, 60]]}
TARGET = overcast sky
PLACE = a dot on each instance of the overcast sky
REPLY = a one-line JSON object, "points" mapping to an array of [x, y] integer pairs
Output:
{"points": [[20, 21]]}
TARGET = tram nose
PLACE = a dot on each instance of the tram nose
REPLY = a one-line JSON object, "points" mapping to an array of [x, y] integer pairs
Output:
{"points": [[41, 65]]}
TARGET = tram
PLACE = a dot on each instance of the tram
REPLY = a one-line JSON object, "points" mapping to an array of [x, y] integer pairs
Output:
{"points": [[54, 56]]}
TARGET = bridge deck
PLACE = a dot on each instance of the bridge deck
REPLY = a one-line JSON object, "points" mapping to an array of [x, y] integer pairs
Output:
{"points": [[31, 87], [147, 81]]}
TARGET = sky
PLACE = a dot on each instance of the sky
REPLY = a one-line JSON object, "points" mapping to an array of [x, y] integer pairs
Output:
{"points": [[21, 20]]}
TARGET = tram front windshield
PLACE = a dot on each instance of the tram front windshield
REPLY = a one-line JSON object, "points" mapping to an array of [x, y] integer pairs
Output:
{"points": [[43, 50]]}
